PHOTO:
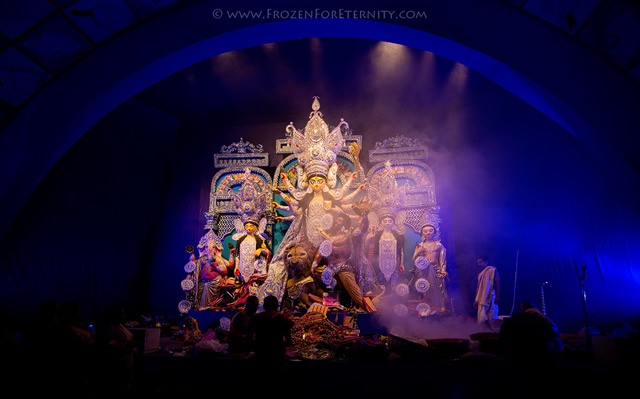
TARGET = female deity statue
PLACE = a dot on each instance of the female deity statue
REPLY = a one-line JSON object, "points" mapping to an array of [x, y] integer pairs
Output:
{"points": [[212, 268], [387, 243], [430, 258], [251, 254], [316, 193]]}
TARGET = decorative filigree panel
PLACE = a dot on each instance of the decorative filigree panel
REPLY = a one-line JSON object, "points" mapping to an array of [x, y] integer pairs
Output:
{"points": [[398, 147], [225, 180], [240, 154], [417, 174]]}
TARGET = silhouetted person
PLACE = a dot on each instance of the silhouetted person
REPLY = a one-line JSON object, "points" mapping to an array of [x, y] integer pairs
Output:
{"points": [[13, 352], [76, 351], [117, 349], [530, 337], [272, 333], [41, 344], [240, 338]]}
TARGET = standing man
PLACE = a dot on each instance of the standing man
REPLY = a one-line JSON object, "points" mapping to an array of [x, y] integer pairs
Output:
{"points": [[487, 293]]}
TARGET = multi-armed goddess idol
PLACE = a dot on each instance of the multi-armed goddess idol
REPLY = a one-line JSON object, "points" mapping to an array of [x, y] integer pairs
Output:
{"points": [[316, 197], [316, 191]]}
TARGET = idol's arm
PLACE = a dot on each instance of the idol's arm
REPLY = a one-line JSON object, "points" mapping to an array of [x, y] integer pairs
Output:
{"points": [[442, 260], [418, 251], [221, 264]]}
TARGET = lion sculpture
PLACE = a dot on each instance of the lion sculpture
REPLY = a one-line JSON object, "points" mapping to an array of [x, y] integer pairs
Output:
{"points": [[301, 287]]}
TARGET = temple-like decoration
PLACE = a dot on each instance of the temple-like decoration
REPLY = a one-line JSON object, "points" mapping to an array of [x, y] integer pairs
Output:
{"points": [[321, 231], [398, 147], [222, 213], [242, 153], [407, 161]]}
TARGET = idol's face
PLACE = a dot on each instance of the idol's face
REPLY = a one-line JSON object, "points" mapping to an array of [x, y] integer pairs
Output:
{"points": [[428, 232], [250, 228], [317, 183], [296, 255], [387, 223], [211, 248]]}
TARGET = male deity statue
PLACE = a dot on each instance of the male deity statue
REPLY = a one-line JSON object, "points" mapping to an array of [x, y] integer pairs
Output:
{"points": [[338, 251], [212, 269]]}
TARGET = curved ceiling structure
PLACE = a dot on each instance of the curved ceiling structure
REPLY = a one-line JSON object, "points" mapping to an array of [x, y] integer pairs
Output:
{"points": [[536, 62]]}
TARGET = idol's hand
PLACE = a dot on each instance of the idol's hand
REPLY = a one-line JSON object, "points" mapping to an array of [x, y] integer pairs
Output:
{"points": [[275, 205], [274, 189], [279, 219], [323, 233]]}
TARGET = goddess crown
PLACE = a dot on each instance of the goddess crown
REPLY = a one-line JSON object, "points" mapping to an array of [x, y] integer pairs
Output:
{"points": [[317, 148], [385, 193], [249, 202]]}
